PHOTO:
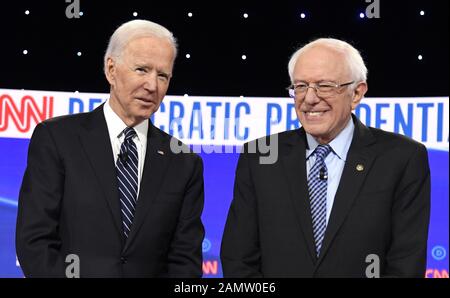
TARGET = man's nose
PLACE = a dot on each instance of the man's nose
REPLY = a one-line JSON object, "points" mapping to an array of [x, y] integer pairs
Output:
{"points": [[151, 82], [311, 96]]}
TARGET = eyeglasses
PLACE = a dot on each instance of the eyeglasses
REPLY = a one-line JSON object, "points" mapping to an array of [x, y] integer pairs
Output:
{"points": [[323, 89]]}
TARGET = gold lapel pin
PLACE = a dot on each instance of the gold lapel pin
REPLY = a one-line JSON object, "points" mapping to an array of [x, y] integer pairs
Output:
{"points": [[360, 167], [160, 152]]}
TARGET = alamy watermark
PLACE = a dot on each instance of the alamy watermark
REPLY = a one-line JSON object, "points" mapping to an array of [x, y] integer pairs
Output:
{"points": [[373, 269], [373, 10], [73, 9], [73, 267], [266, 147]]}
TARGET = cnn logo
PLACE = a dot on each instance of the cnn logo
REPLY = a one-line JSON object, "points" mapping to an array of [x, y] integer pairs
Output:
{"points": [[23, 114]]}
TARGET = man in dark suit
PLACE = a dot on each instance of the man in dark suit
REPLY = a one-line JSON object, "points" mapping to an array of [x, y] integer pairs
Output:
{"points": [[342, 199], [106, 186]]}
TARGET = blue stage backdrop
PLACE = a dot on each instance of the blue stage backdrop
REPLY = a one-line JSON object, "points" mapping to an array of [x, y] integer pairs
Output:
{"points": [[216, 127]]}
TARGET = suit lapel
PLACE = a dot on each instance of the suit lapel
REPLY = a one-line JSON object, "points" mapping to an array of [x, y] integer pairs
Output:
{"points": [[352, 179], [294, 163], [157, 158], [97, 145]]}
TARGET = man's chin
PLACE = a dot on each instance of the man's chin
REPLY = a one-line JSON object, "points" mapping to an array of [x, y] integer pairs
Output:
{"points": [[314, 129], [147, 110], [145, 116]]}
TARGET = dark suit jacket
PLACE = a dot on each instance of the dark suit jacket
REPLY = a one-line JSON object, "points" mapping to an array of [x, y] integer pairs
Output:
{"points": [[382, 210], [69, 204]]}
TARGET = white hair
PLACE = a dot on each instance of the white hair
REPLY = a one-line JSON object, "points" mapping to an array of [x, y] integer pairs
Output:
{"points": [[354, 60], [132, 30]]}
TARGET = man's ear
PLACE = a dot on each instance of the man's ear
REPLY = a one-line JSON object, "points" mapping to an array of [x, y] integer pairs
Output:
{"points": [[110, 71], [358, 94]]}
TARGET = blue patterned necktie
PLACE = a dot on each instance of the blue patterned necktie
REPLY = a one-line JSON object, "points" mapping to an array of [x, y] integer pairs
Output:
{"points": [[317, 188], [127, 179]]}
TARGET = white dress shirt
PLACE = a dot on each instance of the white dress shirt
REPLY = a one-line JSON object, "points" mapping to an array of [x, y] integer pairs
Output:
{"points": [[115, 130]]}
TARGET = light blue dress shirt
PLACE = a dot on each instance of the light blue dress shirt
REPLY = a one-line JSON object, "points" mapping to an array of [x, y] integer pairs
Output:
{"points": [[335, 161]]}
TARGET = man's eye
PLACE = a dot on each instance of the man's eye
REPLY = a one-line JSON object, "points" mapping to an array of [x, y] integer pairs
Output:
{"points": [[163, 76], [140, 69]]}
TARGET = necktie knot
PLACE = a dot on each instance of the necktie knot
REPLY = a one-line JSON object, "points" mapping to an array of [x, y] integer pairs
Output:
{"points": [[129, 133], [322, 152]]}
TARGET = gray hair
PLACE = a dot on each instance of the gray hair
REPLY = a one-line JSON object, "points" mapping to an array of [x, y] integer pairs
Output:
{"points": [[132, 30], [354, 60]]}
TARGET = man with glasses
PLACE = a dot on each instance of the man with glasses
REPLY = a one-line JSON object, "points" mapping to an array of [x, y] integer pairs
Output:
{"points": [[343, 199]]}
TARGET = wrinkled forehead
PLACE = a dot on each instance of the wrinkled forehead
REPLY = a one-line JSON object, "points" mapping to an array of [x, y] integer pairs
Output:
{"points": [[321, 63], [145, 44], [150, 50]]}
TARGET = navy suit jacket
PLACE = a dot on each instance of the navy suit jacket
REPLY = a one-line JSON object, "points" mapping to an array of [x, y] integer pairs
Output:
{"points": [[383, 210], [69, 204]]}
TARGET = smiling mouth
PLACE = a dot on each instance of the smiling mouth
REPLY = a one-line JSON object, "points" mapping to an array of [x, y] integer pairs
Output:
{"points": [[315, 114]]}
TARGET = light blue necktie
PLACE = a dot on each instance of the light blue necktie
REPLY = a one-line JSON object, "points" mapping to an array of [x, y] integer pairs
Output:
{"points": [[317, 188], [127, 178]]}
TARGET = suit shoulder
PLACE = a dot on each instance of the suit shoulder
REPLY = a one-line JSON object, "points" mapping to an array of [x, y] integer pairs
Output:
{"points": [[394, 139], [65, 121], [282, 136], [277, 139], [61, 126]]}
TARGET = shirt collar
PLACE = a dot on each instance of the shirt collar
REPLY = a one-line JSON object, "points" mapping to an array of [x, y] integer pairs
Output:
{"points": [[142, 129], [339, 145], [116, 125]]}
